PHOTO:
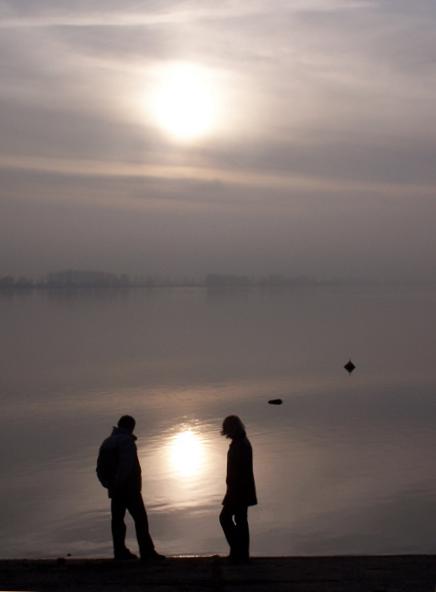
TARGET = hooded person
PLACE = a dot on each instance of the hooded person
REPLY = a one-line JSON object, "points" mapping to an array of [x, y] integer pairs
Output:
{"points": [[119, 471]]}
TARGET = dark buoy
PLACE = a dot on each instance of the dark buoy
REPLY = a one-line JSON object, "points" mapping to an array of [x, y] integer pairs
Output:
{"points": [[349, 367], [275, 401]]}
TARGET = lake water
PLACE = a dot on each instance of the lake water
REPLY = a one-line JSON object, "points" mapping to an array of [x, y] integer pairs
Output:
{"points": [[345, 465]]}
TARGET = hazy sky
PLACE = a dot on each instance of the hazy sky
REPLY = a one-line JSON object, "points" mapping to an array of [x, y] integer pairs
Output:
{"points": [[185, 137]]}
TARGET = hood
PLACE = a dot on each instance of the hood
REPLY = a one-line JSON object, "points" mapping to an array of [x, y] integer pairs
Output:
{"points": [[116, 431]]}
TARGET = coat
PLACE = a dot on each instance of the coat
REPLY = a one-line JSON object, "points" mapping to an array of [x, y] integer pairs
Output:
{"points": [[241, 489], [118, 467]]}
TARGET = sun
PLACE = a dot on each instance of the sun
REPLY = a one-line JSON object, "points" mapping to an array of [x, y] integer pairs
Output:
{"points": [[184, 101]]}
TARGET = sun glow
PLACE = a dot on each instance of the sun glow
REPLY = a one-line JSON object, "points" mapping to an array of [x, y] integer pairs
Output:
{"points": [[186, 453], [184, 102]]}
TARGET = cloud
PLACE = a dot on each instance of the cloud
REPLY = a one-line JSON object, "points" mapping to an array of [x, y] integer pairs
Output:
{"points": [[248, 177], [117, 14], [322, 101]]}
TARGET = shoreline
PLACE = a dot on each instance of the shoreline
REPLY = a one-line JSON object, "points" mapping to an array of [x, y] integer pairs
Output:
{"points": [[346, 573]]}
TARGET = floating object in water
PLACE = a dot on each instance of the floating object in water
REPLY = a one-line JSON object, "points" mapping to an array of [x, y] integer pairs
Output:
{"points": [[275, 401], [349, 366]]}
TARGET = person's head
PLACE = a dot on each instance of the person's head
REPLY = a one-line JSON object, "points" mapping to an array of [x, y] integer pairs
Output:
{"points": [[233, 427], [127, 422]]}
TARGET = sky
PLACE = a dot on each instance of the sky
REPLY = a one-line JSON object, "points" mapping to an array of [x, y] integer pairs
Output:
{"points": [[192, 137]]}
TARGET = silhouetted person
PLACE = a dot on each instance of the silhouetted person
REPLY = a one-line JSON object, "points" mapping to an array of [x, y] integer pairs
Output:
{"points": [[118, 470], [241, 489]]}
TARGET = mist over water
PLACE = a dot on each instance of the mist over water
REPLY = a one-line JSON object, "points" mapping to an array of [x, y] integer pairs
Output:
{"points": [[345, 465]]}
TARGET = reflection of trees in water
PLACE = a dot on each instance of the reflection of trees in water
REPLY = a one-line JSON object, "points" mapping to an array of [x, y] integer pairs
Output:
{"points": [[79, 294], [75, 279]]}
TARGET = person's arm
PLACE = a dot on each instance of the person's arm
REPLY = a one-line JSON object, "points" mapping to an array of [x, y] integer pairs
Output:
{"points": [[236, 465], [126, 462]]}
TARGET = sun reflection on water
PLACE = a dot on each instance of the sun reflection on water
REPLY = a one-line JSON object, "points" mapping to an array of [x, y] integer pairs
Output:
{"points": [[186, 453]]}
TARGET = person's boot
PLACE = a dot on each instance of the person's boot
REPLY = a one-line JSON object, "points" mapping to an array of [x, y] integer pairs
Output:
{"points": [[152, 556], [125, 555]]}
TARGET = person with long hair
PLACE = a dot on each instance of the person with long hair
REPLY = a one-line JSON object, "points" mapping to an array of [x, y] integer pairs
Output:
{"points": [[241, 489]]}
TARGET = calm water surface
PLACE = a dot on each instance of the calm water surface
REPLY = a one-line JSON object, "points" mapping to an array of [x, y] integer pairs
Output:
{"points": [[345, 465]]}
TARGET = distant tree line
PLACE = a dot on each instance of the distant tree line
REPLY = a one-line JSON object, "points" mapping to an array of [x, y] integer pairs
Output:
{"points": [[75, 279], [8, 282], [72, 279]]}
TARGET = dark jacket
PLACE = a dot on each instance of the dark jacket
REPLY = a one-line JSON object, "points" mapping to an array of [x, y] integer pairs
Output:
{"points": [[241, 489], [118, 467]]}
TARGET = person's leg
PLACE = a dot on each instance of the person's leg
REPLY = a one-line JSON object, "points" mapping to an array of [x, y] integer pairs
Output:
{"points": [[242, 534], [136, 507], [118, 510], [228, 526]]}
